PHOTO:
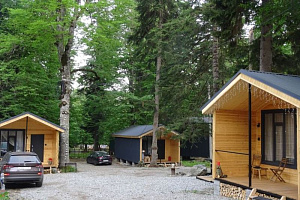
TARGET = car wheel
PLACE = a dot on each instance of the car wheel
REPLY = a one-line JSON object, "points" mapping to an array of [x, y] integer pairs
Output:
{"points": [[95, 162], [39, 184]]}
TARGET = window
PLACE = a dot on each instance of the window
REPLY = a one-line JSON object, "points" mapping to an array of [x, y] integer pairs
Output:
{"points": [[279, 136], [11, 140]]}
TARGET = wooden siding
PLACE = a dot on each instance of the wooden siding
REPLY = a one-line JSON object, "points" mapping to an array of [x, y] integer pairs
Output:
{"points": [[22, 120], [172, 149], [51, 137], [231, 134], [51, 140]]}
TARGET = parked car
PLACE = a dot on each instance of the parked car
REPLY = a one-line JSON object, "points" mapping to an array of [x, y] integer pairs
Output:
{"points": [[22, 167], [99, 157]]}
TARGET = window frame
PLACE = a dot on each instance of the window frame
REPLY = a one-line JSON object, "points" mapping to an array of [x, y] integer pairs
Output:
{"points": [[15, 137], [274, 124]]}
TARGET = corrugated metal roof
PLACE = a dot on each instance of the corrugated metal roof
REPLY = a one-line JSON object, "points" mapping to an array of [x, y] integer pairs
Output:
{"points": [[29, 113], [134, 131], [288, 84]]}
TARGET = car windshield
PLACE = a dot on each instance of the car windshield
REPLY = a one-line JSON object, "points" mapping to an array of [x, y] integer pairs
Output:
{"points": [[23, 159], [101, 154]]}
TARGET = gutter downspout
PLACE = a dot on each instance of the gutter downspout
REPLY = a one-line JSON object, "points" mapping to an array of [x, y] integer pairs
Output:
{"points": [[25, 144], [249, 134]]}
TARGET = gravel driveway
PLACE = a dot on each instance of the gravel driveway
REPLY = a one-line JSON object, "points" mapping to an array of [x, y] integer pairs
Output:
{"points": [[116, 182]]}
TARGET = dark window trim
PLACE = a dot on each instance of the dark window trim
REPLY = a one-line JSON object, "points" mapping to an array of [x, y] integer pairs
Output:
{"points": [[23, 130], [276, 163]]}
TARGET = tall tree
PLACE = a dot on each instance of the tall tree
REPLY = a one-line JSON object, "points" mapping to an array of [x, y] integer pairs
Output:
{"points": [[266, 37], [67, 17], [28, 79], [150, 36], [106, 103], [154, 154]]}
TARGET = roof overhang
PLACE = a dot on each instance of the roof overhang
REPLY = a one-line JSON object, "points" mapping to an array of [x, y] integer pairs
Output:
{"points": [[34, 117], [148, 133], [234, 95]]}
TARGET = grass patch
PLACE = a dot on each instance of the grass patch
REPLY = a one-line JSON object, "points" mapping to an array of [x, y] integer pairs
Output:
{"points": [[68, 169], [80, 155], [4, 195], [191, 163]]}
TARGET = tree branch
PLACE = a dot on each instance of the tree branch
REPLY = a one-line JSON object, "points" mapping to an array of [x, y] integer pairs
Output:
{"points": [[97, 77]]}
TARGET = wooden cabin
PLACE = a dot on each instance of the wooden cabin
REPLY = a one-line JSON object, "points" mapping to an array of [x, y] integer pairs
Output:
{"points": [[257, 113], [29, 132], [134, 145]]}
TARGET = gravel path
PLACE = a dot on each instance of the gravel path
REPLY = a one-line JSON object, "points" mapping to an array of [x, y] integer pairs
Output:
{"points": [[116, 182]]}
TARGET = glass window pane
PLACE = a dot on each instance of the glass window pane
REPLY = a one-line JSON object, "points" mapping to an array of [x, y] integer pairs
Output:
{"points": [[278, 117], [20, 141], [290, 137], [279, 142], [3, 142], [269, 137], [11, 144]]}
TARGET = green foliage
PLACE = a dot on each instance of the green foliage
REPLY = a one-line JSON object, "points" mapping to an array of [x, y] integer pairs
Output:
{"points": [[4, 195], [117, 84], [68, 169], [80, 155], [29, 65], [191, 163]]}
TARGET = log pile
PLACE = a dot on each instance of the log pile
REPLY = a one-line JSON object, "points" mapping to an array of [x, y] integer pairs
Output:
{"points": [[238, 193], [232, 191]]}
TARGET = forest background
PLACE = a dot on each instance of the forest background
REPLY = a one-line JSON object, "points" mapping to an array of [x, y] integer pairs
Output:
{"points": [[173, 54]]}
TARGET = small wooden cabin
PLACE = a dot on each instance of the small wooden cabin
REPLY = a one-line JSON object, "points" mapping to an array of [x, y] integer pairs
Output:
{"points": [[29, 132], [257, 113], [134, 145]]}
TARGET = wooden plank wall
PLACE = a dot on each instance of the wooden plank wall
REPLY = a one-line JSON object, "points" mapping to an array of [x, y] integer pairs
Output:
{"points": [[51, 137], [172, 148], [231, 134], [50, 145]]}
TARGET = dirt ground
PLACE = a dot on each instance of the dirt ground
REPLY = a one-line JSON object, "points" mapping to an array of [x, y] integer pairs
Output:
{"points": [[116, 181]]}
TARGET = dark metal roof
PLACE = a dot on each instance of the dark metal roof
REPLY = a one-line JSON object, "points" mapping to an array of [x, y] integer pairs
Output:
{"points": [[134, 131], [29, 113], [288, 84]]}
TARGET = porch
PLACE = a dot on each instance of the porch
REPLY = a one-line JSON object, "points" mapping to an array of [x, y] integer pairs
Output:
{"points": [[257, 113], [265, 186]]}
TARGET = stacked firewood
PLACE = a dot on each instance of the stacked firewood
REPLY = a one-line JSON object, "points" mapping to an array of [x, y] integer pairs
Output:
{"points": [[232, 191]]}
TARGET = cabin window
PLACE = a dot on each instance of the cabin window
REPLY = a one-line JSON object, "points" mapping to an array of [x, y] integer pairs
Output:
{"points": [[279, 136], [11, 140], [147, 145]]}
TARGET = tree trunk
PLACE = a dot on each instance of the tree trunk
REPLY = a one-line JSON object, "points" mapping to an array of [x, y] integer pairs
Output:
{"points": [[266, 41], [215, 64], [154, 155], [64, 56], [96, 142], [251, 39]]}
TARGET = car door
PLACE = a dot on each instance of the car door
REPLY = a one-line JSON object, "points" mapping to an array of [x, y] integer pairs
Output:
{"points": [[94, 157]]}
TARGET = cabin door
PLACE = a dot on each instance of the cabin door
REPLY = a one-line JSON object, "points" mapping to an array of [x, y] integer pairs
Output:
{"points": [[37, 145], [161, 149]]}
